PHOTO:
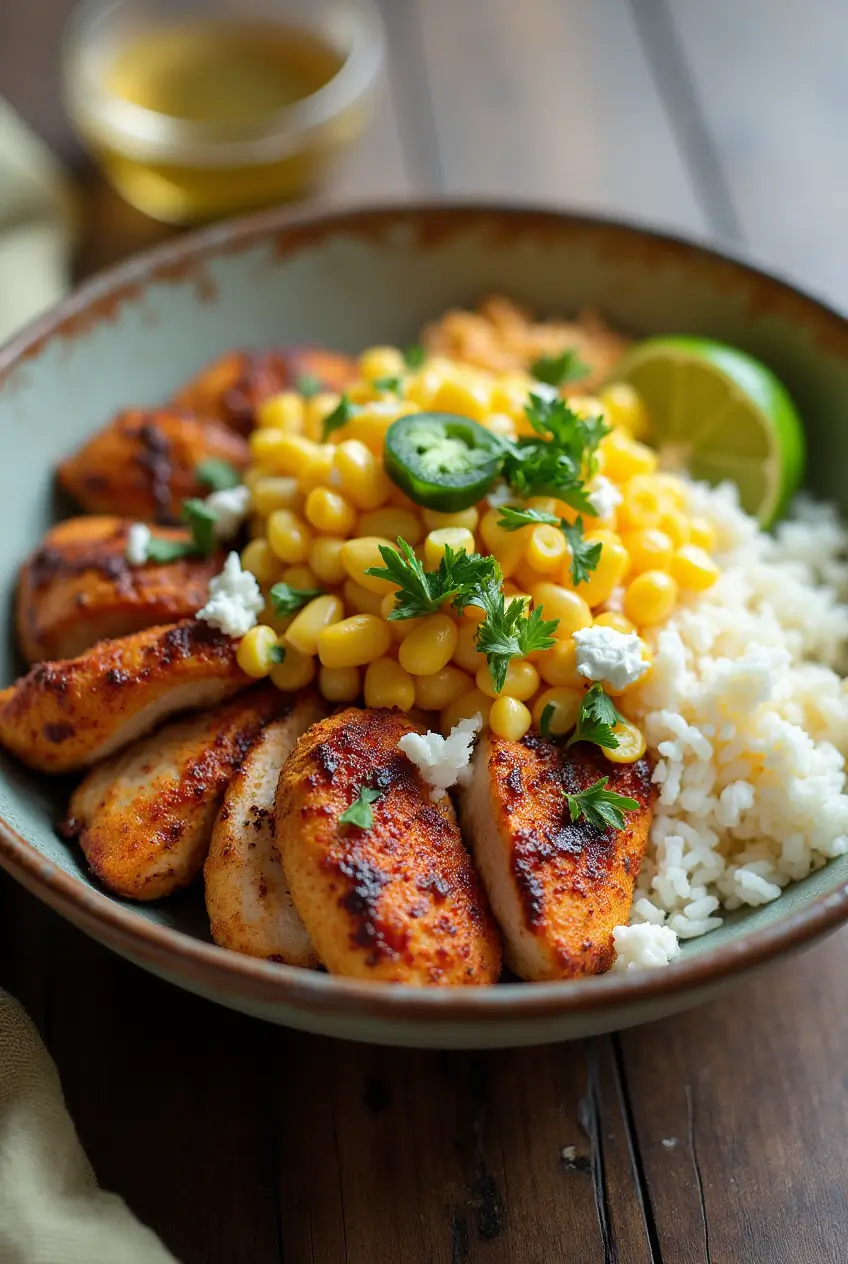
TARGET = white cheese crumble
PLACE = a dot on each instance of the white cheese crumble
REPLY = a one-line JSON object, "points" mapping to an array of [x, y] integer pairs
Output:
{"points": [[604, 497], [230, 506], [138, 539], [500, 495], [443, 761], [605, 654], [234, 599]]}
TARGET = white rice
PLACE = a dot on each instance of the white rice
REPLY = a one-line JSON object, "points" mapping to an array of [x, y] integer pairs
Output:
{"points": [[746, 717]]}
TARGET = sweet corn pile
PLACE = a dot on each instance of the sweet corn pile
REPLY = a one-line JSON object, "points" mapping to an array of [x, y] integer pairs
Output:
{"points": [[321, 510]]}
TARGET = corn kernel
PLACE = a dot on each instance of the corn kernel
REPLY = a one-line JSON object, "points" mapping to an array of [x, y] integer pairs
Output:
{"points": [[527, 576], [316, 470], [283, 411], [391, 522], [308, 623], [360, 554], [255, 473], [289, 537], [455, 538], [624, 407], [631, 744], [649, 548], [558, 666], [430, 646], [566, 705], [650, 598], [563, 604], [279, 622], [522, 681], [388, 685], [379, 362], [466, 519], [258, 558], [694, 568], [509, 719], [510, 394], [608, 573], [255, 651], [286, 453], [370, 424], [325, 559], [507, 546], [612, 619], [468, 397], [465, 707], [296, 671], [329, 512], [702, 533], [300, 576], [270, 494], [676, 526], [339, 684], [546, 549], [315, 412], [624, 457], [360, 475], [466, 654], [354, 641], [643, 503], [399, 628], [435, 692], [360, 599]]}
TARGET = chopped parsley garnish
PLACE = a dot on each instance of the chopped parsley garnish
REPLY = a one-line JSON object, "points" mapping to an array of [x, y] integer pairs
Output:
{"points": [[202, 521], [507, 632], [277, 653], [359, 813], [598, 715], [584, 556], [414, 356], [545, 718], [164, 551], [558, 369], [217, 474], [308, 385], [534, 467], [339, 417], [600, 807], [512, 519], [287, 600], [423, 592], [394, 384]]}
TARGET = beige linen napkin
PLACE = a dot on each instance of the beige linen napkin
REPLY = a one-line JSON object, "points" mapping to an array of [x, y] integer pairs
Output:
{"points": [[51, 1210]]}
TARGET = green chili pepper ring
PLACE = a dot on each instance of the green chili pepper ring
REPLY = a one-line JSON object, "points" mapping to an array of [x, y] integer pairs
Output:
{"points": [[441, 460]]}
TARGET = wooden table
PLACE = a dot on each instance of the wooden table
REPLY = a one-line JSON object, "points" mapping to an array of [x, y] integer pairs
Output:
{"points": [[718, 1136]]}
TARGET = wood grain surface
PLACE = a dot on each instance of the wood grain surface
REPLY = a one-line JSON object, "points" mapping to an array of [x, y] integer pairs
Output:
{"points": [[712, 1138]]}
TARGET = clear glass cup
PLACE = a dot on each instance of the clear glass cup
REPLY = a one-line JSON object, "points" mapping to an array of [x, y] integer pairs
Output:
{"points": [[187, 169]]}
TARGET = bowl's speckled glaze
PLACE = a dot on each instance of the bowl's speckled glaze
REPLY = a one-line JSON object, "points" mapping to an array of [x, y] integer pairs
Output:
{"points": [[348, 279]]}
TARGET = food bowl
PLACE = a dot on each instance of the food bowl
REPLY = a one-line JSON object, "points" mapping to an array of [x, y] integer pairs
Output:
{"points": [[351, 279]]}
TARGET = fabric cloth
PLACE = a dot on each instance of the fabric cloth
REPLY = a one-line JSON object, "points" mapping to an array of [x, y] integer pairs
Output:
{"points": [[51, 1210]]}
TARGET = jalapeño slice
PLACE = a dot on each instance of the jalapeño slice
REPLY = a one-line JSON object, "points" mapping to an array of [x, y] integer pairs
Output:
{"points": [[441, 460]]}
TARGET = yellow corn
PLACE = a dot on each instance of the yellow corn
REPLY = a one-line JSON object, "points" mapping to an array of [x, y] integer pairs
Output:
{"points": [[354, 641], [465, 707], [360, 554], [463, 518], [558, 666], [466, 654], [391, 522], [546, 549], [270, 494], [507, 546], [381, 362], [360, 599], [258, 558], [509, 719], [289, 537], [309, 623], [255, 651], [388, 685], [624, 457], [650, 598], [430, 646], [563, 604], [296, 671], [694, 568], [612, 619], [329, 512], [606, 576], [527, 576], [455, 538], [676, 526], [283, 412], [286, 453], [300, 576], [469, 397], [360, 475], [624, 407], [325, 558], [702, 533], [566, 705], [644, 500], [522, 681], [316, 470], [510, 394], [631, 744], [650, 549], [435, 692], [315, 412], [339, 684], [369, 426]]}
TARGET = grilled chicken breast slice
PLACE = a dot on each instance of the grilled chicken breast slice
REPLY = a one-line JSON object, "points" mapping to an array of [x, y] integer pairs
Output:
{"points": [[144, 817], [67, 715], [556, 888], [78, 588], [143, 464], [232, 387], [400, 901], [247, 896]]}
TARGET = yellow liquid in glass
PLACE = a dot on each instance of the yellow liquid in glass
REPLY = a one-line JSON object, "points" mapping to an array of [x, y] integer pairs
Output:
{"points": [[232, 79]]}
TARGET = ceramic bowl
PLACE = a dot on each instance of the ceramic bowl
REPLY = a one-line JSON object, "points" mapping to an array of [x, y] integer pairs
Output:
{"points": [[349, 279]]}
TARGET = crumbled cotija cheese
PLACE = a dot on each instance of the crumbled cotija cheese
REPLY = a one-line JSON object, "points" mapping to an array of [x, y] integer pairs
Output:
{"points": [[234, 599], [605, 654], [230, 506], [138, 539], [604, 497], [443, 761]]}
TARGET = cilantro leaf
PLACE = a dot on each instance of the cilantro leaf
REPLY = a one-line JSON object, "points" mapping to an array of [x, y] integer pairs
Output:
{"points": [[513, 519], [535, 467], [286, 600], [217, 474], [202, 521], [545, 722], [584, 557], [507, 632], [164, 551], [556, 370], [598, 715], [277, 653], [339, 417], [600, 807], [359, 813], [414, 355], [308, 385], [394, 384], [421, 592]]}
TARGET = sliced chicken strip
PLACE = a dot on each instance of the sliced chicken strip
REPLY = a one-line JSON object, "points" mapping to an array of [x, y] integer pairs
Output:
{"points": [[78, 588], [231, 388], [400, 901], [556, 888], [66, 715], [144, 818], [247, 896], [143, 464]]}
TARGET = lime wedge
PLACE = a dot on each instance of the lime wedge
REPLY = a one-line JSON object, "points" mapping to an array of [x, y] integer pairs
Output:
{"points": [[719, 414]]}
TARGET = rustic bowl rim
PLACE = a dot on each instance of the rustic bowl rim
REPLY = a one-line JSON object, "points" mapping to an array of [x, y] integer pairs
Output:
{"points": [[171, 951]]}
